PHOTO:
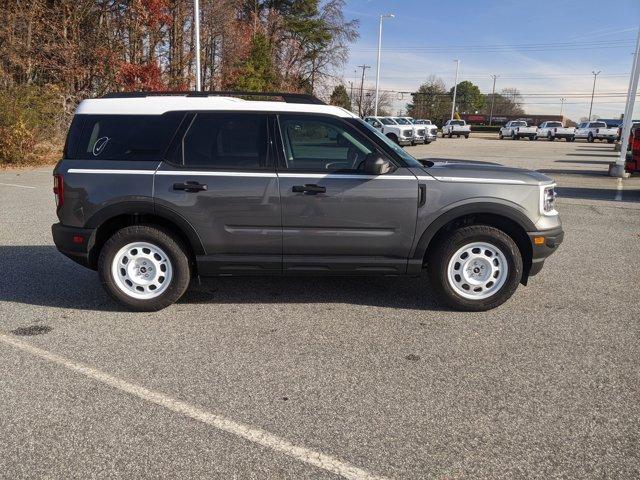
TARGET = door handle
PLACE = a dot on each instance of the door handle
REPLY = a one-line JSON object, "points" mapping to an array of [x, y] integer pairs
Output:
{"points": [[190, 186], [309, 188]]}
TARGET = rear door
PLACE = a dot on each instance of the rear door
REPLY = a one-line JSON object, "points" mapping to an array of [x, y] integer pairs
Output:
{"points": [[336, 219], [220, 177]]}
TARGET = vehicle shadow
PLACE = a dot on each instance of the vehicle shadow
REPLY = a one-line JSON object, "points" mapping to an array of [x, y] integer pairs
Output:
{"points": [[560, 171], [39, 275], [609, 194], [604, 163], [601, 155]]}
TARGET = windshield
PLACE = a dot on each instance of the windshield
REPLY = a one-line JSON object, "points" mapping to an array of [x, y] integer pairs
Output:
{"points": [[402, 121], [387, 121], [411, 162]]}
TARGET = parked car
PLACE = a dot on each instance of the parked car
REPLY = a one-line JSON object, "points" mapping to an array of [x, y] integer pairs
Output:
{"points": [[431, 134], [419, 132], [596, 131], [456, 127], [552, 130], [517, 129], [155, 189], [401, 135]]}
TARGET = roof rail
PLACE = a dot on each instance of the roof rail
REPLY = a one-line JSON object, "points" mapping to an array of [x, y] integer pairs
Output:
{"points": [[286, 97]]}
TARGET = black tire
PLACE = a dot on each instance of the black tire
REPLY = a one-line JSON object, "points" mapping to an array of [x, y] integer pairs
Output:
{"points": [[500, 136], [590, 138], [450, 135], [394, 138], [439, 257], [514, 136], [531, 138], [609, 140], [466, 136], [427, 142], [175, 251]]}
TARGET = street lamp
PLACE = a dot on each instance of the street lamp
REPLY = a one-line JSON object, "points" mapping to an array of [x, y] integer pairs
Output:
{"points": [[562, 100], [383, 16], [455, 89], [196, 18], [595, 75]]}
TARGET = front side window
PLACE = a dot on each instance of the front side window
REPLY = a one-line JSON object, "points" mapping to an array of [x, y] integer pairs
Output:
{"points": [[322, 144], [125, 137], [226, 140]]}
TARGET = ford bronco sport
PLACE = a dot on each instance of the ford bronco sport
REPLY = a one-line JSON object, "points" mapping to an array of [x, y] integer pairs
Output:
{"points": [[154, 189]]}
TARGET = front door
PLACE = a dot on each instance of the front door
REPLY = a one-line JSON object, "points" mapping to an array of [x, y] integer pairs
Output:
{"points": [[335, 218], [222, 180]]}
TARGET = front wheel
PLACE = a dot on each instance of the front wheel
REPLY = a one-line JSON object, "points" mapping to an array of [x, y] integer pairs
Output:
{"points": [[590, 138], [475, 268], [144, 268]]}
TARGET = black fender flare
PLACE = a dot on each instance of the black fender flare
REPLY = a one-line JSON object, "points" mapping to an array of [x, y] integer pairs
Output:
{"points": [[512, 213], [149, 207]]}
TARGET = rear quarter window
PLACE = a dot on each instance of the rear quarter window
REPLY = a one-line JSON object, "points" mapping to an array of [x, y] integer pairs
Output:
{"points": [[123, 137]]}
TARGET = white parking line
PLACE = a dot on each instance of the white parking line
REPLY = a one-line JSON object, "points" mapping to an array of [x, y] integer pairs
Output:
{"points": [[253, 434], [14, 185], [619, 190]]}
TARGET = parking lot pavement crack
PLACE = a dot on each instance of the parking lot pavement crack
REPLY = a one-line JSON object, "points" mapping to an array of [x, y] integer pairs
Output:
{"points": [[252, 434]]}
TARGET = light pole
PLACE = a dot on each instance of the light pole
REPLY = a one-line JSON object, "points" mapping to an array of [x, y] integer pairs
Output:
{"points": [[562, 100], [593, 91], [493, 98], [196, 22], [617, 169], [386, 15], [455, 89]]}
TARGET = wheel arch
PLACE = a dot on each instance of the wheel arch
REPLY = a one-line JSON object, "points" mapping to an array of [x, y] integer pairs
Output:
{"points": [[114, 217], [506, 218]]}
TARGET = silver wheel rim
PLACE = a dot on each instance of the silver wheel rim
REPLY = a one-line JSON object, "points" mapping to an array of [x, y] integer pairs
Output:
{"points": [[477, 271], [142, 270]]}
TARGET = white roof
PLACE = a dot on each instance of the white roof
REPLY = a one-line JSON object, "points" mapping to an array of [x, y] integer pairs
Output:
{"points": [[160, 104]]}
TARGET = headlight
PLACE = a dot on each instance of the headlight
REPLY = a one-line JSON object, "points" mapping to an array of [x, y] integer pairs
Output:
{"points": [[548, 200], [408, 133]]}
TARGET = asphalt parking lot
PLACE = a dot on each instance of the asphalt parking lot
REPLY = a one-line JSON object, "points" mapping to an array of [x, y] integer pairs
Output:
{"points": [[323, 378]]}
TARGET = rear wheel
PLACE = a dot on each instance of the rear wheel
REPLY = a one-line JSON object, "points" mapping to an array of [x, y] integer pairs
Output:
{"points": [[144, 268], [609, 140], [475, 268]]}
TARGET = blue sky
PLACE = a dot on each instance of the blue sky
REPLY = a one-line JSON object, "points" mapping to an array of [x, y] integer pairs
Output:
{"points": [[507, 38]]}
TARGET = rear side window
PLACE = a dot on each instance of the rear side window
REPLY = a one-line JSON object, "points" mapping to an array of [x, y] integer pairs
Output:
{"points": [[124, 137], [227, 140]]}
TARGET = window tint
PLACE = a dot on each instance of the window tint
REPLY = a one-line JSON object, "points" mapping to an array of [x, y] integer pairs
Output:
{"points": [[402, 121], [598, 125], [456, 122], [388, 121], [554, 124], [226, 140], [322, 144], [124, 137], [518, 124], [73, 137]]}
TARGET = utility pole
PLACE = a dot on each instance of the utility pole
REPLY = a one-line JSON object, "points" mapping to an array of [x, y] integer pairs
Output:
{"points": [[196, 18], [593, 91], [562, 100], [363, 67], [617, 169], [386, 15], [493, 98], [455, 89]]}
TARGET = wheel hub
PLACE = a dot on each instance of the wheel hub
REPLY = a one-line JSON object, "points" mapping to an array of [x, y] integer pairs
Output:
{"points": [[142, 270], [477, 270]]}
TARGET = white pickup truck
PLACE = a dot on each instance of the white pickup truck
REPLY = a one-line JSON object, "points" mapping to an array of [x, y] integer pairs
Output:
{"points": [[458, 128], [596, 131], [431, 130], [402, 135], [517, 129], [552, 130], [419, 132]]}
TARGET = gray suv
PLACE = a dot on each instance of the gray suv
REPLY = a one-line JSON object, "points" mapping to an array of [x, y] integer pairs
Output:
{"points": [[154, 189]]}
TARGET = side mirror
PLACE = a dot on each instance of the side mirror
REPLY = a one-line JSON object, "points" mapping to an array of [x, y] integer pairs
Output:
{"points": [[376, 165]]}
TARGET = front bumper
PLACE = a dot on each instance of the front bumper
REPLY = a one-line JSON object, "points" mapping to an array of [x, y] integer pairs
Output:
{"points": [[541, 250], [404, 141], [75, 243]]}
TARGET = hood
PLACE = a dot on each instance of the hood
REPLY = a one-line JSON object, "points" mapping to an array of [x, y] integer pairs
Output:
{"points": [[482, 171]]}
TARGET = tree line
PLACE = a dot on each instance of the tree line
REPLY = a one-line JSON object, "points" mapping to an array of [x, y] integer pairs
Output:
{"points": [[62, 51]]}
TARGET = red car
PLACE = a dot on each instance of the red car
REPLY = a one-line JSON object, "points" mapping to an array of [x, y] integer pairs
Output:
{"points": [[633, 163]]}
